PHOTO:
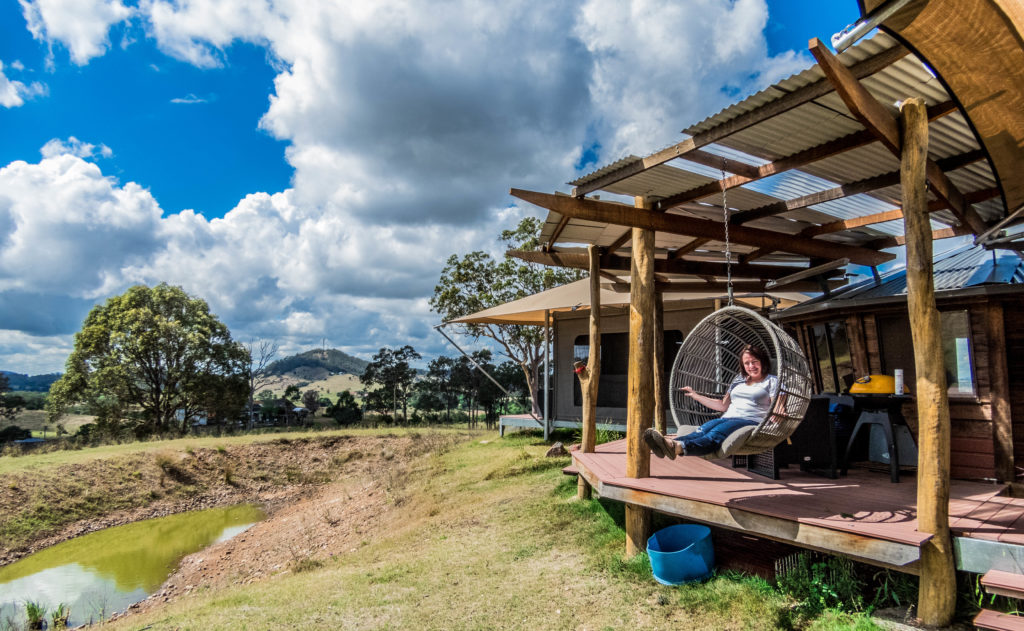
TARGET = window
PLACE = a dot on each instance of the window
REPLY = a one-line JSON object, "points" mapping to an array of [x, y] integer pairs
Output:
{"points": [[956, 352], [832, 356], [613, 387], [897, 348]]}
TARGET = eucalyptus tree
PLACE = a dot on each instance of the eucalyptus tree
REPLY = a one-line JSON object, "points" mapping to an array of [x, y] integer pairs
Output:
{"points": [[390, 371], [157, 355], [476, 282]]}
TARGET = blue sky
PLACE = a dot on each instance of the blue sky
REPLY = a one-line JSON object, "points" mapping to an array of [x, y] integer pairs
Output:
{"points": [[307, 168]]}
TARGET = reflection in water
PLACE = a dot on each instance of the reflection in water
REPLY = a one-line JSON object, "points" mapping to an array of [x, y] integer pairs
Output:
{"points": [[103, 572]]}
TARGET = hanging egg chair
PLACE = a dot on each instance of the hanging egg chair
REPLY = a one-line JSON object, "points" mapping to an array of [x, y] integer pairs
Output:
{"points": [[709, 361]]}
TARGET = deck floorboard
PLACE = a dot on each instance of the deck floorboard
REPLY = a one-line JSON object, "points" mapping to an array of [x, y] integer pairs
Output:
{"points": [[864, 502]]}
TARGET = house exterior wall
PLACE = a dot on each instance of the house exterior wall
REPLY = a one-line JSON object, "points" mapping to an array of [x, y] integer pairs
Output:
{"points": [[568, 326], [972, 453]]}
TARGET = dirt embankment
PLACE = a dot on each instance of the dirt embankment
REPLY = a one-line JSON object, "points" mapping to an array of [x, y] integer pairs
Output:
{"points": [[39, 509]]}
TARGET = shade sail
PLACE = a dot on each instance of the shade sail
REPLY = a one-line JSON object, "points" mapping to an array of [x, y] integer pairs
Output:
{"points": [[576, 296]]}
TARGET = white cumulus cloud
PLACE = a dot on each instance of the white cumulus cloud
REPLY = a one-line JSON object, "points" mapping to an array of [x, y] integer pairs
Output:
{"points": [[405, 124], [75, 147], [13, 93], [82, 26]]}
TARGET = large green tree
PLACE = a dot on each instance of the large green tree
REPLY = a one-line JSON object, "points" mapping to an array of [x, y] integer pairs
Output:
{"points": [[156, 355], [476, 282], [390, 371]]}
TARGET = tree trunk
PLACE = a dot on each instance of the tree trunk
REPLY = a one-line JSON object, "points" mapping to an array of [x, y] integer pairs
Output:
{"points": [[660, 385], [590, 374], [937, 595], [640, 379]]}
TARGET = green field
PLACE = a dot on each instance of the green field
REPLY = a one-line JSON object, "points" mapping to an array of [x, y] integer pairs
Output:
{"points": [[485, 534]]}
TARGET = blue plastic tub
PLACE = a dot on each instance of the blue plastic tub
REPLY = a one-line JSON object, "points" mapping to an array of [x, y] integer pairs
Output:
{"points": [[681, 554]]}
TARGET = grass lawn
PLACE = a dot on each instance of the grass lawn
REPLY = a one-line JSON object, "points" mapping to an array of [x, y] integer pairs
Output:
{"points": [[487, 535]]}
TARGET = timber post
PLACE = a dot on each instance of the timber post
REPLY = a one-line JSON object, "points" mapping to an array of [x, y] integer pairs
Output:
{"points": [[937, 596], [640, 401], [999, 395], [660, 383], [590, 373]]}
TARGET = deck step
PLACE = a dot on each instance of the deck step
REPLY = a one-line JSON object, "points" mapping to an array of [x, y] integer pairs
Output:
{"points": [[988, 619], [1003, 583], [571, 470]]}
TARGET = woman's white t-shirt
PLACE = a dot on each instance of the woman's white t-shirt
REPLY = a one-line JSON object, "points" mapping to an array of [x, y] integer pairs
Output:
{"points": [[751, 402]]}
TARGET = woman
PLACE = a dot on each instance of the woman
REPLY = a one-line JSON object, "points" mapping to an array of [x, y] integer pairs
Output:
{"points": [[747, 402]]}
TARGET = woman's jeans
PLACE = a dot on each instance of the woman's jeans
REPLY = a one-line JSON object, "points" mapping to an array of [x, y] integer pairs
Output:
{"points": [[709, 438]]}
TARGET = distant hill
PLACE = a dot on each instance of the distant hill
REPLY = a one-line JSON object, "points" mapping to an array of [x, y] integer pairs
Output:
{"points": [[34, 383], [316, 365]]}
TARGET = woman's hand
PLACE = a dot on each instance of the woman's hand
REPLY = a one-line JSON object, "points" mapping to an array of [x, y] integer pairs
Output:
{"points": [[720, 405]]}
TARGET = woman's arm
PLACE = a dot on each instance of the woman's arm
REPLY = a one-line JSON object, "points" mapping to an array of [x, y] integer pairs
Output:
{"points": [[719, 405]]}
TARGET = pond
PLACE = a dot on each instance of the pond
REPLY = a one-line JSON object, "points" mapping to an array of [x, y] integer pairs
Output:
{"points": [[106, 571]]}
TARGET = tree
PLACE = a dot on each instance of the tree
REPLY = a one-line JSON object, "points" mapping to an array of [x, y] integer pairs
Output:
{"points": [[10, 404], [476, 282], [155, 353], [346, 409], [441, 379], [390, 370], [261, 354], [311, 401]]}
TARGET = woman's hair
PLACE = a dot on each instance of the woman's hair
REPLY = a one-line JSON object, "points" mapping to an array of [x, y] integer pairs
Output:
{"points": [[760, 355]]}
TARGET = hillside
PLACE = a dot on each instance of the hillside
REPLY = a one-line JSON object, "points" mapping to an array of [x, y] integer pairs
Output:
{"points": [[317, 364], [33, 383]]}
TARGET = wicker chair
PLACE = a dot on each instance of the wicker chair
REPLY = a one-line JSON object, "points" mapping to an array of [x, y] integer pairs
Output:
{"points": [[709, 360]]}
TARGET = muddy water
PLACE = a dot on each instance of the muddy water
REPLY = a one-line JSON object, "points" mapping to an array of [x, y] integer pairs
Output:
{"points": [[106, 571]]}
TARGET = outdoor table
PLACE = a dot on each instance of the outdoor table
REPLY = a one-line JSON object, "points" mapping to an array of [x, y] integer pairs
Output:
{"points": [[884, 410]]}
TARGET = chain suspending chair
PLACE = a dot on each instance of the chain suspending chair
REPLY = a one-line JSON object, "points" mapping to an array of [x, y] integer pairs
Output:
{"points": [[709, 361]]}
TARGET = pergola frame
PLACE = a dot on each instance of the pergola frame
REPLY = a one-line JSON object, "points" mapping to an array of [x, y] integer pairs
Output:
{"points": [[951, 182]]}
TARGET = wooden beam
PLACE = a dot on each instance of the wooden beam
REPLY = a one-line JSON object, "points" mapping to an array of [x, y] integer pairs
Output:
{"points": [[686, 249], [720, 163], [892, 215], [790, 101], [640, 379], [875, 117], [743, 286], [557, 232], [577, 259], [944, 233], [794, 161], [658, 363], [618, 243], [822, 271], [937, 593], [590, 373], [622, 215], [848, 190]]}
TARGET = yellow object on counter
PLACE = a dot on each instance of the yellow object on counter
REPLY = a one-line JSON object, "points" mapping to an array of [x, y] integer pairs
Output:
{"points": [[876, 384]]}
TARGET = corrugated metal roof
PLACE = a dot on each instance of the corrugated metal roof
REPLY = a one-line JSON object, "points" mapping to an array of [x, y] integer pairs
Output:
{"points": [[806, 126], [968, 267]]}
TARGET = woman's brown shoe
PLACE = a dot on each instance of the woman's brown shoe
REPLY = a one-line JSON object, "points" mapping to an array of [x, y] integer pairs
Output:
{"points": [[660, 446]]}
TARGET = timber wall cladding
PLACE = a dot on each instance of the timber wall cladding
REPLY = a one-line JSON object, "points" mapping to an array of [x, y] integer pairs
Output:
{"points": [[971, 452], [1013, 316]]}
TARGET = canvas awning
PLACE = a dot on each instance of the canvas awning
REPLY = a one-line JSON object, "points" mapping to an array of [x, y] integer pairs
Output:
{"points": [[576, 296]]}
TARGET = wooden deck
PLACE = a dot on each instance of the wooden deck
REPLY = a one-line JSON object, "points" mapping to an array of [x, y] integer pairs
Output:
{"points": [[861, 515]]}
